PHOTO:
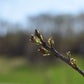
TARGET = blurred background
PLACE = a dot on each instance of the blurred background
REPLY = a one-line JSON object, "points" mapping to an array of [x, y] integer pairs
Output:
{"points": [[20, 63]]}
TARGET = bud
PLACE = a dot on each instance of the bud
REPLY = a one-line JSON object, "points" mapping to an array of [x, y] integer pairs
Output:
{"points": [[32, 38], [51, 42], [68, 54], [73, 61], [38, 34], [46, 54], [35, 40], [42, 50], [38, 41]]}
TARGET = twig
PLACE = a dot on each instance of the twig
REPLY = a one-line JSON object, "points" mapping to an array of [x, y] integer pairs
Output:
{"points": [[57, 54], [50, 50]]}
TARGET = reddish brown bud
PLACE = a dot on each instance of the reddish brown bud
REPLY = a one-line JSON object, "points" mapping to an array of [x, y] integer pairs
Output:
{"points": [[36, 32], [42, 50], [32, 37]]}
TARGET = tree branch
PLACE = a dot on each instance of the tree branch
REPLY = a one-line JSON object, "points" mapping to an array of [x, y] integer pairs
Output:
{"points": [[57, 54], [50, 50]]}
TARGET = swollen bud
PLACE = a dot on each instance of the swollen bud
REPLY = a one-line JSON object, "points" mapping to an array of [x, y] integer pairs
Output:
{"points": [[68, 53], [38, 34], [42, 50], [35, 40], [46, 54], [32, 37], [51, 42], [73, 61]]}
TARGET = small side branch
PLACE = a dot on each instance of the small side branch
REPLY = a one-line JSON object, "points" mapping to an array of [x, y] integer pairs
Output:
{"points": [[50, 50]]}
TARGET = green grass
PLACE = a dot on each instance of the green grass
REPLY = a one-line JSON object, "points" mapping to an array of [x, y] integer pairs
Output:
{"points": [[52, 74]]}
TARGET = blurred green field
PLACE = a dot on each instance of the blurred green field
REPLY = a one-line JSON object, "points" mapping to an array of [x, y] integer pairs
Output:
{"points": [[16, 71]]}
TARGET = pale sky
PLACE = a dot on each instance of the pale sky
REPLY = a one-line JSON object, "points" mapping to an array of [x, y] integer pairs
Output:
{"points": [[18, 10]]}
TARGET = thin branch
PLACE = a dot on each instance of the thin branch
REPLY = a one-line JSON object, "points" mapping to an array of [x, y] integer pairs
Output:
{"points": [[57, 54], [50, 50]]}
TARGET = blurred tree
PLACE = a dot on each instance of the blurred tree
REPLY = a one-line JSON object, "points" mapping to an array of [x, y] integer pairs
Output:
{"points": [[66, 30]]}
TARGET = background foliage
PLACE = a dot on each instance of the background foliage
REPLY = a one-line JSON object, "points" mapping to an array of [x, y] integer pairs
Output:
{"points": [[21, 63]]}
